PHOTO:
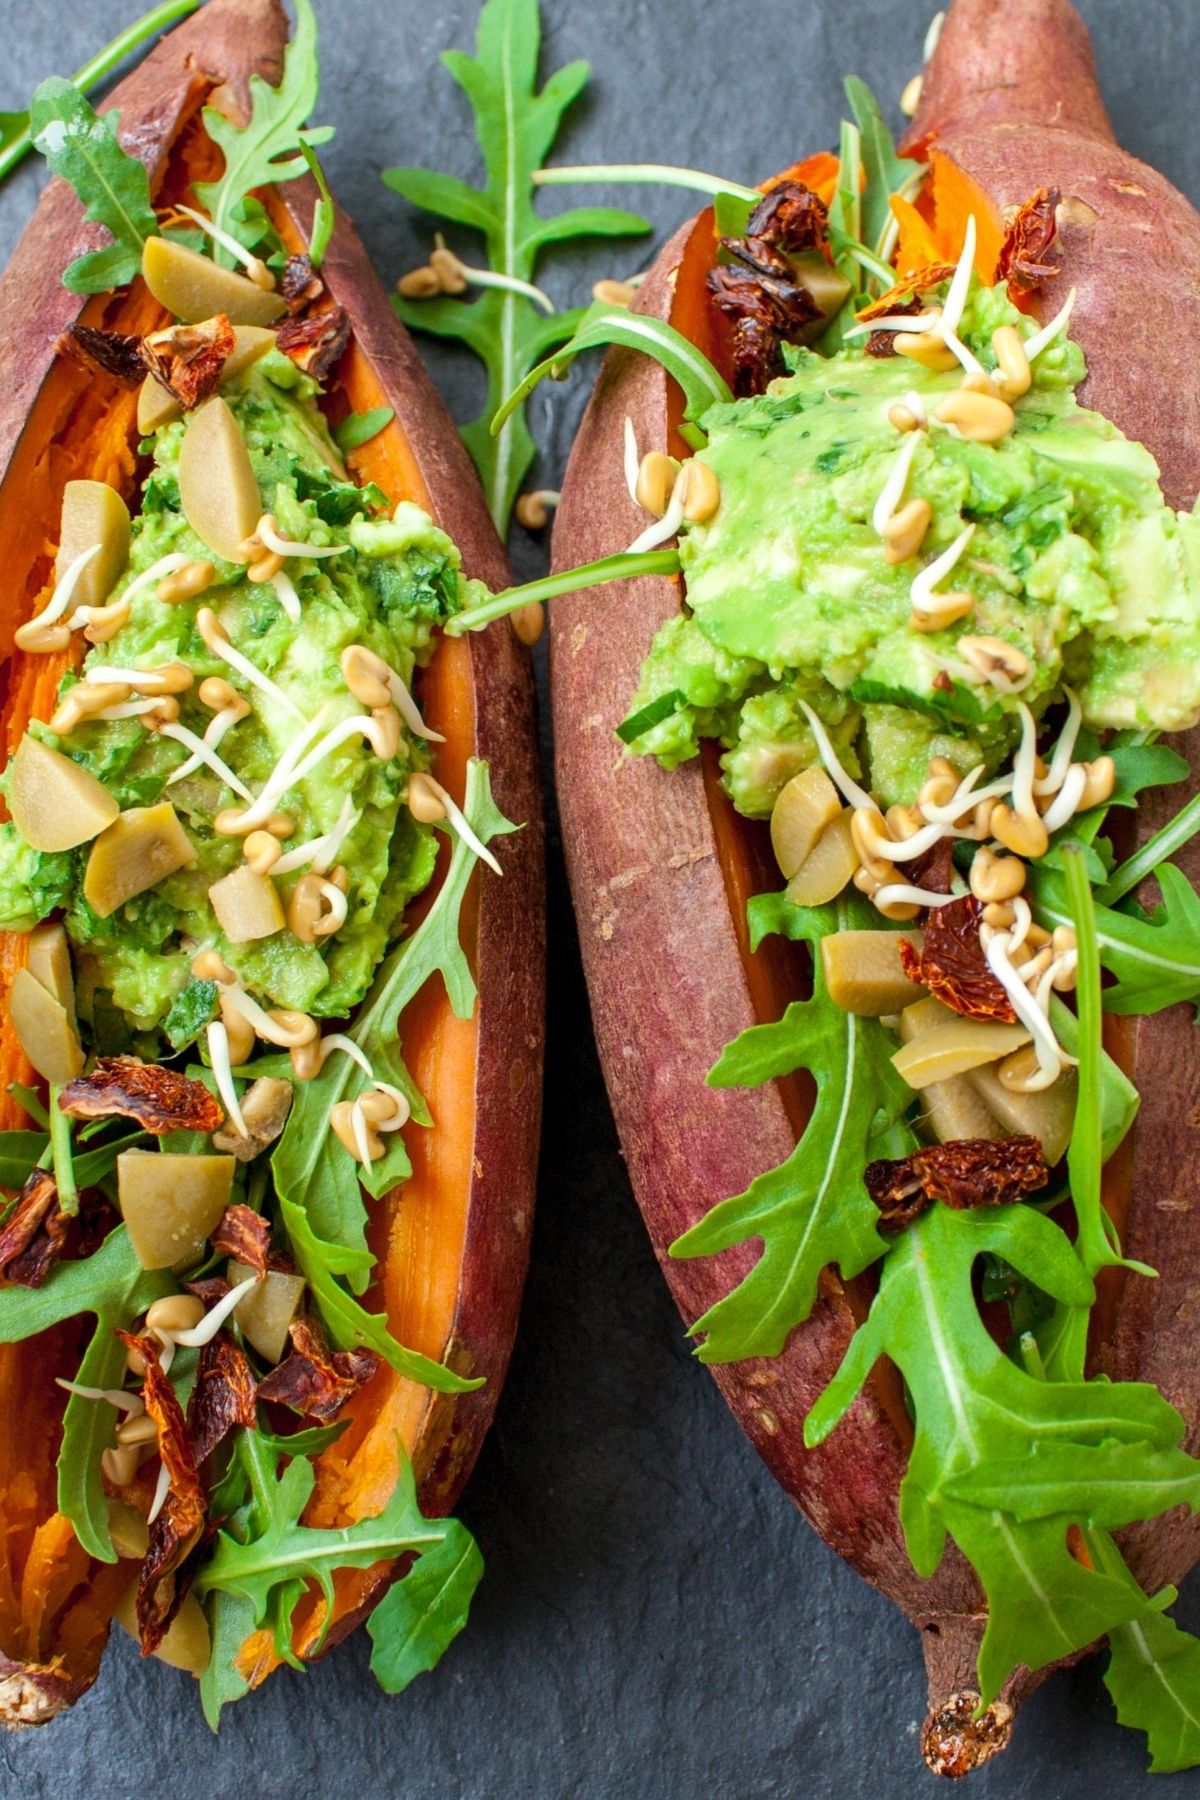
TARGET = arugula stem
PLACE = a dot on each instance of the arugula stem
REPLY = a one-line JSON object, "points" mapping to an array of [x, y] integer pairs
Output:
{"points": [[1157, 849], [102, 64], [323, 217], [866, 259], [665, 173], [64, 1162], [621, 567], [1085, 1156]]}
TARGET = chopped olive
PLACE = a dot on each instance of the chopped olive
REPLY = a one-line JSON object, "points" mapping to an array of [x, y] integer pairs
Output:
{"points": [[93, 513], [193, 287], [138, 850], [266, 1311], [863, 972], [44, 1030], [217, 487], [55, 804], [171, 1203]]}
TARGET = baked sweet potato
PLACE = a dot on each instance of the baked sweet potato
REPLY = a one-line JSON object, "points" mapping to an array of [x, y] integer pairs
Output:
{"points": [[661, 867], [451, 1245]]}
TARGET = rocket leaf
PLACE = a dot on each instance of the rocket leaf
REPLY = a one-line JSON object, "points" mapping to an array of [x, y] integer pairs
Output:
{"points": [[1156, 960], [267, 1571], [976, 1415], [83, 147], [813, 1209], [516, 126], [270, 147]]}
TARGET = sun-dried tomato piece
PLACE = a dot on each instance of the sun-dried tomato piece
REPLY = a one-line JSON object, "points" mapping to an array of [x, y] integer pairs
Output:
{"points": [[33, 1235], [300, 284], [246, 1236], [967, 1172], [315, 1381], [952, 965], [1027, 242], [222, 1397], [932, 869], [905, 296], [113, 353], [179, 1527], [767, 310], [758, 289], [791, 217], [209, 1289], [187, 359], [161, 1100], [315, 342]]}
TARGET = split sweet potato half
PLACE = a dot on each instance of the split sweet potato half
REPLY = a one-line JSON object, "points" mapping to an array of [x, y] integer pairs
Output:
{"points": [[451, 1246], [661, 867]]}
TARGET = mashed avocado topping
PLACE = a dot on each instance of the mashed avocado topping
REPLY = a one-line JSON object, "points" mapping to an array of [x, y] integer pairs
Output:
{"points": [[394, 581], [1075, 560]]}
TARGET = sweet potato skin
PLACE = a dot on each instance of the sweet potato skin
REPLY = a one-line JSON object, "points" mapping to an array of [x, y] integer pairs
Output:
{"points": [[1011, 96], [215, 52], [1129, 243], [669, 990]]}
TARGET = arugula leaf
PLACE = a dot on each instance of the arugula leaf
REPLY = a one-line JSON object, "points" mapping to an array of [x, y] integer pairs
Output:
{"points": [[268, 1571], [1165, 842], [1096, 1236], [516, 127], [1106, 1485], [16, 134], [98, 1284], [603, 324], [954, 708], [1156, 960], [360, 428], [312, 1170], [658, 709], [813, 1210], [271, 146], [886, 173], [350, 1324], [191, 1010], [113, 1285], [20, 1153], [1153, 1672], [425, 1610], [977, 1412], [84, 149]]}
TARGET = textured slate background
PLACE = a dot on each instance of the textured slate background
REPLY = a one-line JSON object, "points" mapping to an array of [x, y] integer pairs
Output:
{"points": [[656, 1620]]}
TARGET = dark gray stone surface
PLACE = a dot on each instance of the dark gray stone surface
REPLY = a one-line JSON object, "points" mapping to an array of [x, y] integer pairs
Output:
{"points": [[656, 1622]]}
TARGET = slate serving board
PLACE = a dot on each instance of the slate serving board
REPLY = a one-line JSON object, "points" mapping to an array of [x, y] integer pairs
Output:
{"points": [[656, 1622]]}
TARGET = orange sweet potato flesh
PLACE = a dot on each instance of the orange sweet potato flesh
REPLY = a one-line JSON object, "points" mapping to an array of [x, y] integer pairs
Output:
{"points": [[452, 1247], [660, 865]]}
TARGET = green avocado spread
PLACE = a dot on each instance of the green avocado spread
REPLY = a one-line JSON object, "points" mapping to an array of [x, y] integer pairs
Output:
{"points": [[1075, 560], [396, 578]]}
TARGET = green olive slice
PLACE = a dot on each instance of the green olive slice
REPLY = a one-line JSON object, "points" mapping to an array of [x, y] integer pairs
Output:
{"points": [[193, 287], [139, 849], [217, 488], [92, 513], [170, 1203], [55, 804], [44, 1030]]}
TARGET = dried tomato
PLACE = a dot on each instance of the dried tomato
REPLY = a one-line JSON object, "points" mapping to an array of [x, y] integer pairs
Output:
{"points": [[246, 1236], [967, 1172], [316, 342], [161, 1100], [224, 1396], [905, 296], [300, 284], [188, 359], [1027, 242], [209, 1289], [33, 1235], [952, 964], [180, 1525], [758, 289], [113, 353], [315, 1381]]}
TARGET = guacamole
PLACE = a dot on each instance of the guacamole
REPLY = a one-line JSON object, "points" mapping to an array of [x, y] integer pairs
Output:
{"points": [[1075, 560], [397, 578]]}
